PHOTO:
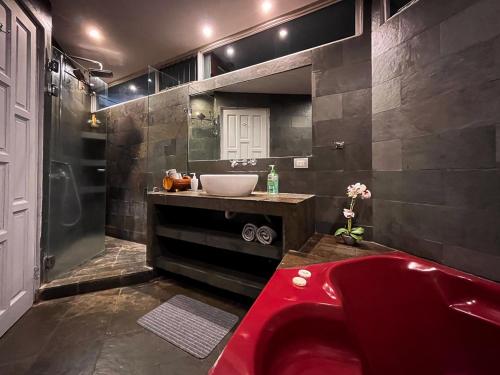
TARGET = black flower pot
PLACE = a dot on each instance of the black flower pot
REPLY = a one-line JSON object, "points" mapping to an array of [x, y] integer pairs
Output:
{"points": [[348, 240]]}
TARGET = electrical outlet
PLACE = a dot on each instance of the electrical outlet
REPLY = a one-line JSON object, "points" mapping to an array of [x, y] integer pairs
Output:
{"points": [[300, 162]]}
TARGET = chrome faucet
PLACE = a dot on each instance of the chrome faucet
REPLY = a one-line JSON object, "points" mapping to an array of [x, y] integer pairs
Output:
{"points": [[243, 162]]}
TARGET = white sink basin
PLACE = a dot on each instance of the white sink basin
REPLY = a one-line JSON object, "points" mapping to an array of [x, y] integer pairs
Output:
{"points": [[229, 185]]}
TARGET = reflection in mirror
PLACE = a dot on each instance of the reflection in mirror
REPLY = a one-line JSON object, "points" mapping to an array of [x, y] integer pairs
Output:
{"points": [[260, 118]]}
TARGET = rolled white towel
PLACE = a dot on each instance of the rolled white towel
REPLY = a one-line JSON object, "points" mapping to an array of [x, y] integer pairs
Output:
{"points": [[266, 235], [249, 232]]}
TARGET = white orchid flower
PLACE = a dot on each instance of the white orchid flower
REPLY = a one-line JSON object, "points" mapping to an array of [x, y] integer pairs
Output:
{"points": [[352, 192], [349, 214], [366, 194]]}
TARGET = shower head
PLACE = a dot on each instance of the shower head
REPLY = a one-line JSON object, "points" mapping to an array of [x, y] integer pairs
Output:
{"points": [[85, 59], [101, 73]]}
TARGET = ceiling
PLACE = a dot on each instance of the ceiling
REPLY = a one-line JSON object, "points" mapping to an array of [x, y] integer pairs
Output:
{"points": [[135, 34], [297, 81]]}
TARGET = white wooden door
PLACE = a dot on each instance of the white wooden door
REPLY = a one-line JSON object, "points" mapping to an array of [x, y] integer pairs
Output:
{"points": [[18, 163], [245, 133]]}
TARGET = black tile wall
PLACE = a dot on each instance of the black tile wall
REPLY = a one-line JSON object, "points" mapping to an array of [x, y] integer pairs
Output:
{"points": [[341, 112], [126, 162], [435, 128], [342, 104], [414, 98], [145, 137]]}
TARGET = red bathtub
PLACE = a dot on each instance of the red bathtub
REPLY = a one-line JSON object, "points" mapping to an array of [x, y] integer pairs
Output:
{"points": [[385, 314]]}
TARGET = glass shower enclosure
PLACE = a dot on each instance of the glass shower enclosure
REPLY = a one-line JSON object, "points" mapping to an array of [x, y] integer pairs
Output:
{"points": [[75, 173]]}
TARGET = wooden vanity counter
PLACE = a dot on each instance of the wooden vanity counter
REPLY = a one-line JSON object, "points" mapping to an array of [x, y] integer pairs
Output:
{"points": [[297, 210], [189, 234]]}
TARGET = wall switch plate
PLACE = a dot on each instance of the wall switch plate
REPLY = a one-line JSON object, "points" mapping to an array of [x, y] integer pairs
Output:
{"points": [[300, 162]]}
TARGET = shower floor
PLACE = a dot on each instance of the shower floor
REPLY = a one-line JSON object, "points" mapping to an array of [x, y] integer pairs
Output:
{"points": [[121, 263]]}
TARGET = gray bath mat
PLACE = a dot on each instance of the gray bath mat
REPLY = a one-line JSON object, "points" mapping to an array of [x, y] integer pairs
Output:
{"points": [[189, 324]]}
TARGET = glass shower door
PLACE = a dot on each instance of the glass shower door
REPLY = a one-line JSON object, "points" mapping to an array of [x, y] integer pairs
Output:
{"points": [[76, 179]]}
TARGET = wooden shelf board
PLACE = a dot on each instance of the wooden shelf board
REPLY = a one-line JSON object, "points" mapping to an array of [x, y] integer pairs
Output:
{"points": [[221, 240], [220, 277]]}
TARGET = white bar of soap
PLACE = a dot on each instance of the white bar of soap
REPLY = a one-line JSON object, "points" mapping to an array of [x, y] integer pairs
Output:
{"points": [[299, 281], [305, 274]]}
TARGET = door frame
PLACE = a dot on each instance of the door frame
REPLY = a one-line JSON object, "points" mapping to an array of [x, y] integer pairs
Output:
{"points": [[221, 126]]}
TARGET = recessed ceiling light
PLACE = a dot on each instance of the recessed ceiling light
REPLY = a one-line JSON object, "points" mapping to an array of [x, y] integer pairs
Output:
{"points": [[283, 33], [150, 80], [94, 33], [266, 6], [132, 88], [207, 31], [230, 51]]}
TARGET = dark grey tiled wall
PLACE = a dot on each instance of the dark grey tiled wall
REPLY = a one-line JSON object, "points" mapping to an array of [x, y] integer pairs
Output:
{"points": [[167, 133], [342, 112], [416, 102], [435, 100], [126, 163], [140, 147], [341, 106]]}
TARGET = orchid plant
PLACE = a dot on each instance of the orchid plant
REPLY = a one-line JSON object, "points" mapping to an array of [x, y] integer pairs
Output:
{"points": [[353, 192]]}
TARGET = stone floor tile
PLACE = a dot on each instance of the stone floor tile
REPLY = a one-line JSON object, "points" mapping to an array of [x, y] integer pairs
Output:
{"points": [[97, 333]]}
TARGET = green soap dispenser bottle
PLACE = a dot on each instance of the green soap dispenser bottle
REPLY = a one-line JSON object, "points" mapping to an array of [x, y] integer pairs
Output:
{"points": [[272, 182]]}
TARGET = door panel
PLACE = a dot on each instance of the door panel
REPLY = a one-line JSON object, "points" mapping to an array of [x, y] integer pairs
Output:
{"points": [[4, 93], [243, 141], [257, 131], [18, 163], [232, 134], [3, 188], [16, 260], [5, 21], [20, 155], [22, 56], [245, 133]]}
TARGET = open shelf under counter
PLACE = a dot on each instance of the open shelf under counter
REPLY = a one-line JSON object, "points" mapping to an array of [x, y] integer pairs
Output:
{"points": [[237, 282], [220, 239], [199, 235], [296, 210]]}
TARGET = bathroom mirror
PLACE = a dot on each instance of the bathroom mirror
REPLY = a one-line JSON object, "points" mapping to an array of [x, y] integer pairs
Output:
{"points": [[260, 118]]}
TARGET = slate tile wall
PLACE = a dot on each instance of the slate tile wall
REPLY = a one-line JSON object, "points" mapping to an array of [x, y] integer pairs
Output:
{"points": [[435, 100], [145, 137], [342, 111], [415, 99], [342, 108], [126, 162]]}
